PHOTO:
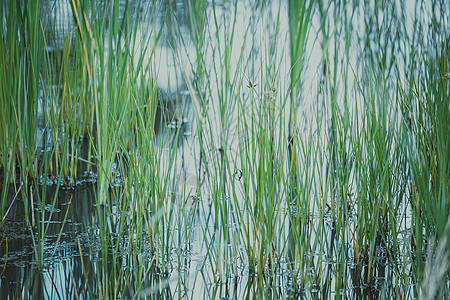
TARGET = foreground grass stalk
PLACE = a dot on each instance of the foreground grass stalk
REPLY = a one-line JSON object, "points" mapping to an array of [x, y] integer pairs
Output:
{"points": [[426, 113], [21, 56], [299, 19]]}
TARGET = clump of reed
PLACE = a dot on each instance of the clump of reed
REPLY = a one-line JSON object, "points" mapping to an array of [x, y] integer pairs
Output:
{"points": [[313, 198]]}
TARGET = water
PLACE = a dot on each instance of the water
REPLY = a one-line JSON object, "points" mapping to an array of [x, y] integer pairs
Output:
{"points": [[87, 249]]}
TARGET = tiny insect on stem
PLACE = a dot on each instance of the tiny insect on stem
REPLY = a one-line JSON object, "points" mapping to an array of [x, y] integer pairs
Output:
{"points": [[251, 85]]}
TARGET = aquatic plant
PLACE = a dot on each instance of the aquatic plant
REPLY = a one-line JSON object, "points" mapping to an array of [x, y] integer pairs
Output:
{"points": [[289, 148]]}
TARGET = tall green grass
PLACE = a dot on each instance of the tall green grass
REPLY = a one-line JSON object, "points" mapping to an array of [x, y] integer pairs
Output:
{"points": [[356, 204], [21, 55], [423, 98]]}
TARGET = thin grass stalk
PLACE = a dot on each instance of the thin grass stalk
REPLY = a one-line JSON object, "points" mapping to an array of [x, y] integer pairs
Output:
{"points": [[426, 114], [21, 48], [8, 89], [197, 15], [225, 83], [299, 18], [299, 15]]}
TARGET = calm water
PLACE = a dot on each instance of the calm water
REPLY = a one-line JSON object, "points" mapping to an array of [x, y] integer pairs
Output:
{"points": [[84, 246]]}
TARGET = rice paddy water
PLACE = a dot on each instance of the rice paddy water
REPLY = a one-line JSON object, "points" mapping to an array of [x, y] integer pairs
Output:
{"points": [[224, 149]]}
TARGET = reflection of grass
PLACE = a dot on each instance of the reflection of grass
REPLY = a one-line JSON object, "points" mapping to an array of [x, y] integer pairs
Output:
{"points": [[313, 206]]}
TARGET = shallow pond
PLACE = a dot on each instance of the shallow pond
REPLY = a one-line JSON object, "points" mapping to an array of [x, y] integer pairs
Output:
{"points": [[238, 150]]}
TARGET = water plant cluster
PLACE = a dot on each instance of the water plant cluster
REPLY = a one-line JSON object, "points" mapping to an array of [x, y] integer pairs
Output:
{"points": [[264, 149]]}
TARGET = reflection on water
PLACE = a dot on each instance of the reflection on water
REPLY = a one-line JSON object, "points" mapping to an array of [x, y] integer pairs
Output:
{"points": [[85, 249]]}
